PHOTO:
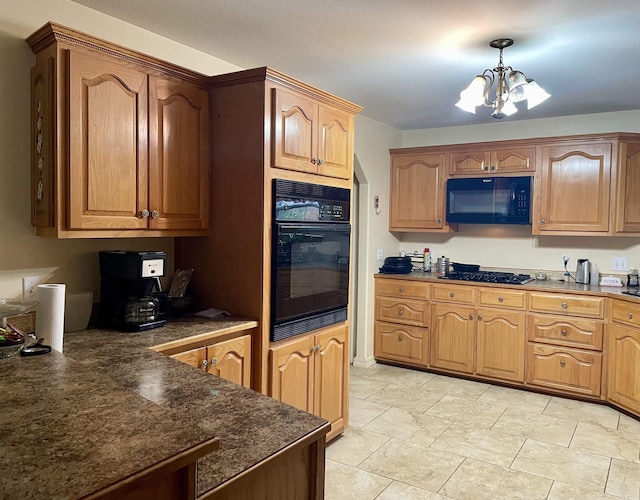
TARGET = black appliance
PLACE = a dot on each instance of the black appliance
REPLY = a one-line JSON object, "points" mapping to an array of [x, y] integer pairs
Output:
{"points": [[489, 200], [310, 257], [127, 283], [635, 293], [397, 265], [489, 277]]}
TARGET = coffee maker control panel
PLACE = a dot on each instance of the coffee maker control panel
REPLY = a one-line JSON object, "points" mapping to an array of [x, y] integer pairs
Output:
{"points": [[152, 268]]}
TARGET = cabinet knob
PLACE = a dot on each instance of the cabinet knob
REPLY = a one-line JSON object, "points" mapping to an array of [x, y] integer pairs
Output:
{"points": [[320, 161], [314, 348], [479, 318], [399, 338], [493, 168], [143, 214], [204, 364], [155, 214], [564, 305], [629, 315], [214, 361], [542, 221], [400, 312], [485, 168], [452, 294], [500, 299], [439, 221], [562, 363], [563, 332], [401, 289], [470, 316]]}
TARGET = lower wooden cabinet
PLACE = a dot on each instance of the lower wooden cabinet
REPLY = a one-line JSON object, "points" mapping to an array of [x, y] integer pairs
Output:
{"points": [[453, 337], [230, 359], [564, 369], [501, 341], [401, 343], [624, 367], [310, 372]]}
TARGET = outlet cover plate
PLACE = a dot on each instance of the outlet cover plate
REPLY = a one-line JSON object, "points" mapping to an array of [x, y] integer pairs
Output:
{"points": [[29, 284], [619, 264]]}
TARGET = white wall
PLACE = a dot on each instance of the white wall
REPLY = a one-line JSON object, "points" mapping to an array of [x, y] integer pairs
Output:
{"points": [[74, 262], [372, 142]]}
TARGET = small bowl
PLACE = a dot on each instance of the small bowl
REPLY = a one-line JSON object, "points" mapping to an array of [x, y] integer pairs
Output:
{"points": [[9, 351]]}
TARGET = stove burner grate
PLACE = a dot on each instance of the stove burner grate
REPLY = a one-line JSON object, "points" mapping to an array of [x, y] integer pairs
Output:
{"points": [[489, 277]]}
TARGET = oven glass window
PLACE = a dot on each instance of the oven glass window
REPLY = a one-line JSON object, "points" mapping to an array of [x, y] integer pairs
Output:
{"points": [[312, 270]]}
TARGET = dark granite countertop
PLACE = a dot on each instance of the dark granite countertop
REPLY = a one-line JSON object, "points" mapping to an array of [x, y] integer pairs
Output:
{"points": [[110, 406], [536, 285]]}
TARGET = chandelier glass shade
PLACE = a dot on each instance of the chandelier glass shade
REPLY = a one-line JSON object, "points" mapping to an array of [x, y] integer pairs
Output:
{"points": [[511, 86]]}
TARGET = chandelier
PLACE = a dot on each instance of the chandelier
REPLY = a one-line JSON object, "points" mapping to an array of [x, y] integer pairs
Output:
{"points": [[511, 86]]}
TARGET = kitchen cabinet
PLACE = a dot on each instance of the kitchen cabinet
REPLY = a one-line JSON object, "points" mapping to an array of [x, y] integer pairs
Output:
{"points": [[417, 193], [565, 342], [628, 202], [453, 337], [402, 314], [492, 160], [623, 380], [311, 137], [229, 359], [310, 372], [574, 188], [127, 153]]}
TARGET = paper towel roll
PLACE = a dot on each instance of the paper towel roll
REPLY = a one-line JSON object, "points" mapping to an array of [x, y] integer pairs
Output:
{"points": [[50, 314]]}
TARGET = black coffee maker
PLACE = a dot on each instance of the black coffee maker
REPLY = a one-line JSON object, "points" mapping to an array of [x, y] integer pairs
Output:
{"points": [[127, 283]]}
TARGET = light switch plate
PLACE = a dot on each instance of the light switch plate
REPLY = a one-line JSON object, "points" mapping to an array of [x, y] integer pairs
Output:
{"points": [[380, 254], [619, 264]]}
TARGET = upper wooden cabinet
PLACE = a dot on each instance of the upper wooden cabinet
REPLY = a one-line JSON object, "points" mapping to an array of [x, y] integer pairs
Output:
{"points": [[417, 193], [628, 201], [492, 161], [574, 188], [311, 137], [121, 148]]}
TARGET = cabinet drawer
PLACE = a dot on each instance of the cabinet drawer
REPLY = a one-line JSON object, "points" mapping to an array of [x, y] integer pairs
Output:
{"points": [[586, 334], [453, 294], [401, 343], [564, 369], [626, 312], [572, 305], [501, 297], [402, 288], [408, 312]]}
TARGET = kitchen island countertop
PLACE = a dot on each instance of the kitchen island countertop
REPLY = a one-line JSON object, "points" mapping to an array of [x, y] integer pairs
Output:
{"points": [[110, 406]]}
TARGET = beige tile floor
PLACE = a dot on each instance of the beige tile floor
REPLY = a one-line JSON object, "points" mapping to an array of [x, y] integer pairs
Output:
{"points": [[417, 435]]}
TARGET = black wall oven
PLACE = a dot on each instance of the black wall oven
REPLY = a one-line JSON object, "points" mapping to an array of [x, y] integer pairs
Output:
{"points": [[310, 257]]}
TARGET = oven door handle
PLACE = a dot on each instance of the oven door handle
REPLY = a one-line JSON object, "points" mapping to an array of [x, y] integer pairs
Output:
{"points": [[304, 228]]}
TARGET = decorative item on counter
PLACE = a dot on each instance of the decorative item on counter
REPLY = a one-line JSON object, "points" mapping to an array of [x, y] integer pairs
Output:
{"points": [[443, 265], [541, 276], [595, 275], [426, 266], [50, 314], [610, 281], [632, 278], [213, 313]]}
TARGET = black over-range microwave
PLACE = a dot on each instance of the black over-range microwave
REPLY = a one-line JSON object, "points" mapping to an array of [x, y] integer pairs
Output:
{"points": [[489, 200]]}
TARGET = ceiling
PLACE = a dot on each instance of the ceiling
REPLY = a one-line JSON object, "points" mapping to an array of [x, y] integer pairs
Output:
{"points": [[406, 61]]}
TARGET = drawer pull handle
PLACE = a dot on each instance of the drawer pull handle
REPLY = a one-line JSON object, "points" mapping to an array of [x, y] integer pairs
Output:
{"points": [[452, 294], [214, 361], [562, 363], [401, 289], [564, 305], [399, 338], [470, 316], [400, 312], [500, 299], [629, 315], [563, 332], [204, 364], [479, 318]]}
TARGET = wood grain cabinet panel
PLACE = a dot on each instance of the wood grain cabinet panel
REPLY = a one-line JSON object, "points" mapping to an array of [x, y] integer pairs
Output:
{"points": [[565, 304], [311, 137], [408, 312], [500, 344], [628, 203], [311, 373], [417, 193], [454, 294], [502, 298], [231, 360], [626, 312], [401, 343], [623, 363], [453, 337], [564, 369], [402, 288], [582, 333], [574, 188], [491, 161]]}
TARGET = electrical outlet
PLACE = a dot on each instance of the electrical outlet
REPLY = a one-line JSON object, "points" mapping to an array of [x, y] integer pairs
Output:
{"points": [[29, 284], [619, 264], [380, 254]]}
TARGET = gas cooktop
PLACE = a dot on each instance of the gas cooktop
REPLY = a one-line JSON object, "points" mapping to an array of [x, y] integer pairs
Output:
{"points": [[489, 277]]}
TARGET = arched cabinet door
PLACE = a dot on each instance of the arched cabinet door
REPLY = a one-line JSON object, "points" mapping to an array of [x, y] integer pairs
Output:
{"points": [[291, 366], [417, 194], [231, 360]]}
